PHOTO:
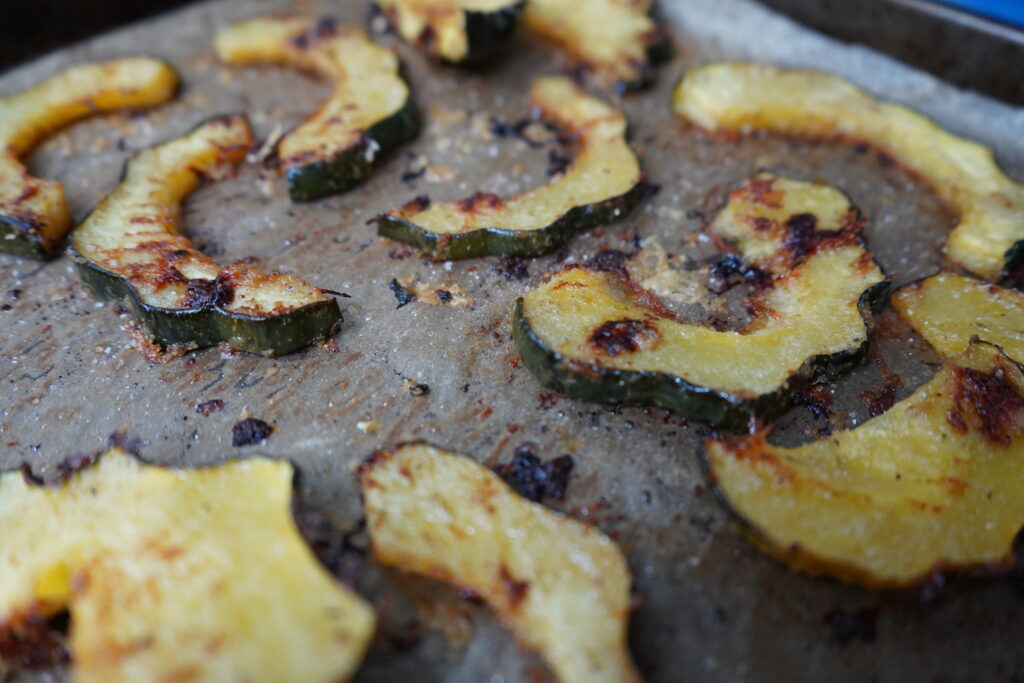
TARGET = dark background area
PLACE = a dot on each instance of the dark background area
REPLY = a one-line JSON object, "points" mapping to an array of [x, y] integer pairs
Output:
{"points": [[34, 27]]}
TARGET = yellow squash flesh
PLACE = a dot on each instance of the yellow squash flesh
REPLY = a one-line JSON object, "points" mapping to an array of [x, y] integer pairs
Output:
{"points": [[562, 586], [38, 206], [745, 97], [812, 310], [948, 310], [443, 20], [135, 232], [603, 168], [367, 84], [175, 575], [936, 483]]}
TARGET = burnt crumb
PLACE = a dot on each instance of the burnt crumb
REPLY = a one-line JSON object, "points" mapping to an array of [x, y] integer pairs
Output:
{"points": [[33, 641], [443, 295], [883, 397], [125, 443], [324, 28], [846, 626], [533, 479], [13, 294], [623, 336], [517, 130], [547, 399], [402, 295], [409, 176], [558, 163], [730, 270], [648, 190], [343, 555], [208, 293], [513, 268], [995, 406], [71, 465], [609, 261], [401, 253], [249, 431], [207, 408], [818, 401], [6, 307], [419, 389]]}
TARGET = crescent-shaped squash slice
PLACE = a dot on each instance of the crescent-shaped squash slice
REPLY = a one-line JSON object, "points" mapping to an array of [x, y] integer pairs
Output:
{"points": [[601, 184], [131, 249], [561, 586], [949, 310], [934, 484], [369, 113], [177, 575], [457, 31], [616, 38], [34, 214], [743, 97], [601, 337]]}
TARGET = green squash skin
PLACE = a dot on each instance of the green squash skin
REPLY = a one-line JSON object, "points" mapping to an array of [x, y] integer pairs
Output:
{"points": [[350, 166], [1013, 258], [717, 409], [487, 32], [25, 242], [495, 241], [208, 326], [658, 51]]}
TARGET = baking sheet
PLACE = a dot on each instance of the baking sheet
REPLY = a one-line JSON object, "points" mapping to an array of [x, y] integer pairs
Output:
{"points": [[711, 607]]}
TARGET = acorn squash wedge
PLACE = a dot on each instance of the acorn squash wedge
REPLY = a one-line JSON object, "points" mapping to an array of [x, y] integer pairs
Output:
{"points": [[457, 31], [561, 586], [934, 484], [948, 310], [34, 214], [130, 249], [602, 183], [601, 337], [170, 575], [744, 97], [369, 112], [615, 38]]}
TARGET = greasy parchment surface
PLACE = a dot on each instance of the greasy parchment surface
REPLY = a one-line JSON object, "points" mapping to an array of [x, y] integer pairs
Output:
{"points": [[712, 608]]}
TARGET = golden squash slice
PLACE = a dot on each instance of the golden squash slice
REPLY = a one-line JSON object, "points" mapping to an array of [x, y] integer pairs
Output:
{"points": [[602, 183], [175, 575], [601, 337], [948, 310], [457, 31], [745, 97], [34, 214], [369, 112], [562, 586], [616, 38], [130, 249], [934, 484]]}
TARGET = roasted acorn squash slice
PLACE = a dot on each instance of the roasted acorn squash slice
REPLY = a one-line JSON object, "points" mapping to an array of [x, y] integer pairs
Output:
{"points": [[130, 249], [948, 310], [601, 184], [561, 586], [934, 484], [600, 337], [175, 575], [615, 38], [369, 113], [457, 31], [748, 97], [34, 214]]}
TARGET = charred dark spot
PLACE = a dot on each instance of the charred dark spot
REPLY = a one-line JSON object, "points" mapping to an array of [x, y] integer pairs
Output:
{"points": [[513, 268], [515, 588], [648, 190], [532, 478], [883, 397], [32, 641], [558, 163], [443, 295], [993, 402], [762, 224], [517, 130], [409, 176], [402, 295], [818, 401], [801, 236], [207, 408], [324, 28], [125, 443], [623, 336], [71, 465], [208, 293], [481, 200], [609, 261], [249, 431], [419, 389], [762, 191], [846, 626], [417, 204], [723, 273], [13, 294]]}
